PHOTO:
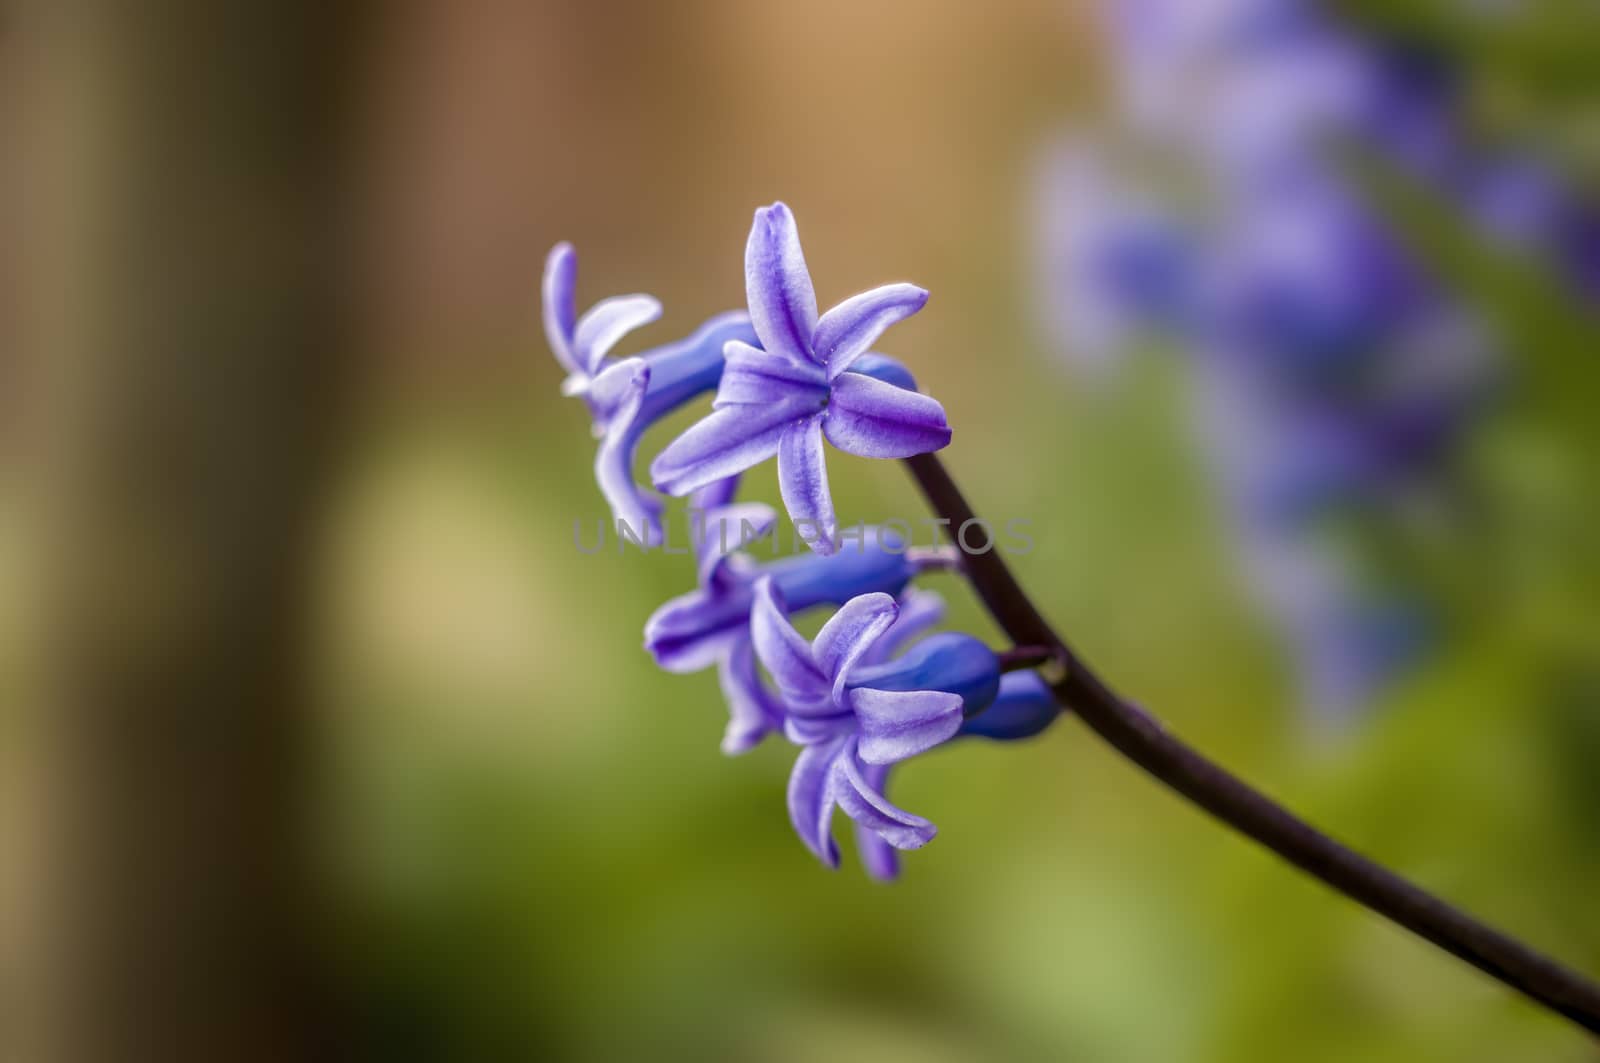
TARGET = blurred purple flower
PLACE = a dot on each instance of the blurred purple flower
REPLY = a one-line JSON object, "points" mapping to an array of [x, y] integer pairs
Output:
{"points": [[797, 388], [1114, 262], [1335, 378]]}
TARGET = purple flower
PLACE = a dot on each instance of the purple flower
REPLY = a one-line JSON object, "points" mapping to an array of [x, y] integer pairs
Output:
{"points": [[727, 527], [797, 388], [626, 397], [711, 624], [1335, 377], [855, 718], [1115, 264]]}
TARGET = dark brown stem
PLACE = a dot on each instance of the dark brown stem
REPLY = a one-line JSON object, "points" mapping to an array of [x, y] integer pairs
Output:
{"points": [[1020, 658], [1143, 740]]}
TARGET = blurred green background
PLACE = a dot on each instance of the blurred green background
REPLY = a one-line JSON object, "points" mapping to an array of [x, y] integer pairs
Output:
{"points": [[538, 851]]}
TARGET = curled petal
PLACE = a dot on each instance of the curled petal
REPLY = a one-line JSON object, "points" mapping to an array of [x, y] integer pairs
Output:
{"points": [[613, 389], [694, 631], [872, 419], [783, 305], [871, 810], [753, 712], [560, 313], [725, 442], [786, 654], [919, 611], [803, 482], [613, 462], [726, 531], [811, 786], [877, 855], [896, 724], [752, 376], [845, 332], [849, 634], [607, 322]]}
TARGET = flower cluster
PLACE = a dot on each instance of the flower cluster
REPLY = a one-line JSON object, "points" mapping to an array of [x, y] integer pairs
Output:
{"points": [[1334, 377], [869, 691]]}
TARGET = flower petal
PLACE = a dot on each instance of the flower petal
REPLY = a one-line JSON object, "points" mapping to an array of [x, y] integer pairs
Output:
{"points": [[816, 730], [786, 654], [872, 419], [724, 532], [753, 376], [715, 495], [882, 367], [694, 630], [777, 285], [871, 810], [753, 712], [876, 855], [849, 634], [560, 313], [845, 332], [607, 322], [613, 388], [613, 462], [723, 443], [919, 611], [803, 482], [896, 724], [811, 786]]}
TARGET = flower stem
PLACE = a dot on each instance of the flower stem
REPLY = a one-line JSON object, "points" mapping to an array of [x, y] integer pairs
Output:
{"points": [[1020, 658], [1143, 740]]}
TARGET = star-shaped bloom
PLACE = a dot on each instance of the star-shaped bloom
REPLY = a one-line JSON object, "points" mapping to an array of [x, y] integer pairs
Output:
{"points": [[855, 718], [626, 396], [799, 388]]}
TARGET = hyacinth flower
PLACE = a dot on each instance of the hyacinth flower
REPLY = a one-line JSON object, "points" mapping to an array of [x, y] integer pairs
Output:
{"points": [[711, 624], [1336, 380], [1114, 264], [725, 529], [869, 692], [1250, 86], [799, 387], [626, 396], [854, 719], [1022, 708], [691, 631]]}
